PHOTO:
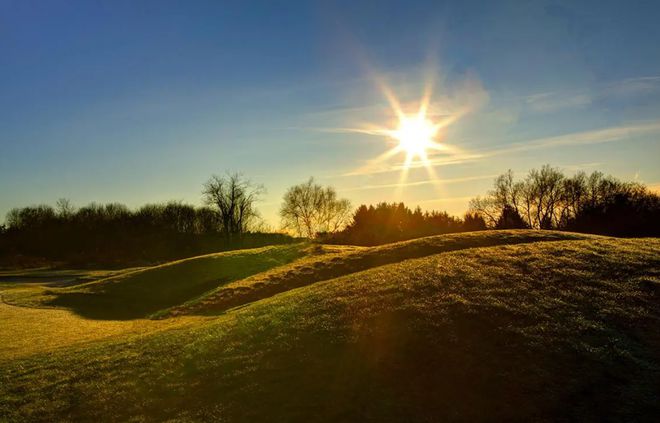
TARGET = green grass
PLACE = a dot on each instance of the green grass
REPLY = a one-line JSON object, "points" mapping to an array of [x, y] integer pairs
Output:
{"points": [[140, 293], [346, 260], [543, 331], [213, 283], [56, 277]]}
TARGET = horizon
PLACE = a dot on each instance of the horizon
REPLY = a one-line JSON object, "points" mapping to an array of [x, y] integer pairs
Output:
{"points": [[142, 103]]}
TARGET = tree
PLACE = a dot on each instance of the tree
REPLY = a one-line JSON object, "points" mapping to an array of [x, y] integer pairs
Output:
{"points": [[473, 222], [546, 199], [64, 208], [309, 209], [545, 189], [486, 208], [631, 210], [537, 200], [385, 222], [510, 219], [234, 197]]}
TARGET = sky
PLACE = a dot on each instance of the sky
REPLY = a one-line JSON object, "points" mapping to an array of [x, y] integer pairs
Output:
{"points": [[142, 101]]}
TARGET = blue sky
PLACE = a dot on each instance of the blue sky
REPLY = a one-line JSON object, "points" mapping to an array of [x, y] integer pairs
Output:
{"points": [[141, 101]]}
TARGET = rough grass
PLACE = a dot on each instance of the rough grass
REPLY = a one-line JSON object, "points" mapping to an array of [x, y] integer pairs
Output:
{"points": [[531, 332], [341, 261], [213, 283]]}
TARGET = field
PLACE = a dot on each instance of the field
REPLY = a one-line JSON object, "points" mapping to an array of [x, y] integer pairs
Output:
{"points": [[497, 325]]}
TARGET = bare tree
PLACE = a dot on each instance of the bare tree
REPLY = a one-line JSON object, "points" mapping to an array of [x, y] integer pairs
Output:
{"points": [[546, 199], [486, 207], [64, 208], [310, 208], [234, 197], [505, 195], [574, 194], [546, 189]]}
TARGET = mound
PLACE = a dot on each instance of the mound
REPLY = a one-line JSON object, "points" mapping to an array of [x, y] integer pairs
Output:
{"points": [[345, 261], [213, 283], [542, 331], [146, 291]]}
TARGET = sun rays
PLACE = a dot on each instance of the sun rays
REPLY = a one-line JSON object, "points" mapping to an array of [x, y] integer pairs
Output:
{"points": [[417, 135], [415, 131]]}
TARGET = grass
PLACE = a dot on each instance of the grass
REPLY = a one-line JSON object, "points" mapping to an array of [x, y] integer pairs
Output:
{"points": [[140, 293], [341, 261], [542, 331], [53, 277], [29, 331]]}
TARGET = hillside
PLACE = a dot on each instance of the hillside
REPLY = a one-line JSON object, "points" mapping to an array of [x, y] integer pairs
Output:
{"points": [[445, 328], [216, 282], [139, 293]]}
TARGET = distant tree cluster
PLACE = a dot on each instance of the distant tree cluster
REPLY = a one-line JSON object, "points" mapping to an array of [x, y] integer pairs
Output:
{"points": [[112, 234], [547, 199], [390, 222]]}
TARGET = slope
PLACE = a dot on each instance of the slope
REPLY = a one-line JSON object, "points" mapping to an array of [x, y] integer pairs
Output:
{"points": [[140, 293], [542, 331], [315, 268]]}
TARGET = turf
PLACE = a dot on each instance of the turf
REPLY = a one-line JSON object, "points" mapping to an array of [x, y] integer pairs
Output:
{"points": [[343, 261], [55, 277], [28, 331], [138, 294], [544, 331]]}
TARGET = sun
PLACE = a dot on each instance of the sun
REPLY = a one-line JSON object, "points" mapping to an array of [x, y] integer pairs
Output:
{"points": [[415, 135]]}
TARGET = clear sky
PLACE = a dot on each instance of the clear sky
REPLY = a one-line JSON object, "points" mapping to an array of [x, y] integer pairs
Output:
{"points": [[141, 101]]}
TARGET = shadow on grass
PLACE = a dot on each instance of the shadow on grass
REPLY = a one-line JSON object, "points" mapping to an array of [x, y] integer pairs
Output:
{"points": [[146, 292], [306, 273], [126, 304]]}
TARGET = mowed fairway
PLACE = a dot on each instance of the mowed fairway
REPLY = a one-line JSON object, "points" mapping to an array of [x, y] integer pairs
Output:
{"points": [[524, 328], [26, 331]]}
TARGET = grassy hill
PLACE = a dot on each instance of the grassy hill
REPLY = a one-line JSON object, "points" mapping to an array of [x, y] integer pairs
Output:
{"points": [[484, 326], [216, 282], [139, 293]]}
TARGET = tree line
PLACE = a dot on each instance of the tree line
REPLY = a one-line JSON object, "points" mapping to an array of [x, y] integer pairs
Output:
{"points": [[544, 199], [114, 234], [313, 211], [390, 222], [547, 199]]}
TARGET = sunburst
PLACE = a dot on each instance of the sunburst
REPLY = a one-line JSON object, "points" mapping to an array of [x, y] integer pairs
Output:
{"points": [[419, 135]]}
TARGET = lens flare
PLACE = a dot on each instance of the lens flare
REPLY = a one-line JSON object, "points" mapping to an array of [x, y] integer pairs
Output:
{"points": [[415, 136], [419, 135]]}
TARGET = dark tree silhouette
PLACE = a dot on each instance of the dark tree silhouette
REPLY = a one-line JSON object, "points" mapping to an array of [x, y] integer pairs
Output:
{"points": [[234, 197], [113, 235], [510, 219], [473, 222], [385, 222], [547, 199]]}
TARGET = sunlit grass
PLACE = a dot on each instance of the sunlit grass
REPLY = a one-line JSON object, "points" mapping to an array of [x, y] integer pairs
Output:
{"points": [[525, 332], [27, 331], [140, 293], [340, 261]]}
